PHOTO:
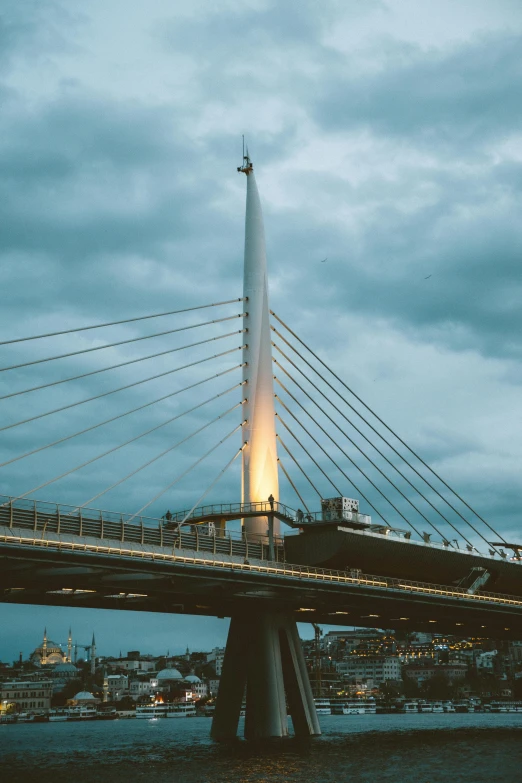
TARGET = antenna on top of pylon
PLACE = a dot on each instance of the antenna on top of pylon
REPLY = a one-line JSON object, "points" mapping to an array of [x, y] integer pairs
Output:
{"points": [[247, 166]]}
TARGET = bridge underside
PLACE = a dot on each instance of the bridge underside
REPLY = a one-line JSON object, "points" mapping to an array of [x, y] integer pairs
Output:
{"points": [[191, 584]]}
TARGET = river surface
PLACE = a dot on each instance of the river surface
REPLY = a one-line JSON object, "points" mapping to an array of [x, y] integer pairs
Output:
{"points": [[460, 748]]}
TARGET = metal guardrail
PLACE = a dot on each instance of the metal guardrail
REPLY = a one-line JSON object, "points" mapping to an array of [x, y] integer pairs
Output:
{"points": [[280, 510], [301, 573], [46, 517]]}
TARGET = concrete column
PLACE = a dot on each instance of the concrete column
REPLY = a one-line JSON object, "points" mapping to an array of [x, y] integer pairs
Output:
{"points": [[264, 653], [233, 681]]}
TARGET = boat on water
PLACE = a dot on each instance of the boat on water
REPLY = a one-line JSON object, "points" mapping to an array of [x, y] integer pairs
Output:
{"points": [[323, 706], [151, 711], [462, 706], [448, 706], [437, 706], [409, 707], [82, 713], [424, 706], [360, 707], [182, 710], [58, 715], [503, 706]]}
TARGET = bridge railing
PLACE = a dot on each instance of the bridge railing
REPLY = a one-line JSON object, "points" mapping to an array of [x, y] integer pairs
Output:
{"points": [[50, 518], [353, 577]]}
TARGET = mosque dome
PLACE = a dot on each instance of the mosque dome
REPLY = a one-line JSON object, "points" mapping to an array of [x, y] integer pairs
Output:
{"points": [[192, 678], [169, 674], [84, 696], [50, 653], [65, 668]]}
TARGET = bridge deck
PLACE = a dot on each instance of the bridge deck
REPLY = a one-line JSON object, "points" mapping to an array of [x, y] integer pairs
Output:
{"points": [[49, 518], [54, 569]]}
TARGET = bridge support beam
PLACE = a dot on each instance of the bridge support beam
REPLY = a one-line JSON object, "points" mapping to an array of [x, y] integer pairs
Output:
{"points": [[264, 655]]}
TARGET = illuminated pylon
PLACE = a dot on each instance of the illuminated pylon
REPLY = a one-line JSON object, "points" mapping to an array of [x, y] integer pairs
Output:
{"points": [[263, 653], [259, 475]]}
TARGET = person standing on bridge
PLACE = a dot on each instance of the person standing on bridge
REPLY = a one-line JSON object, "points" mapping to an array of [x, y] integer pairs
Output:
{"points": [[271, 501]]}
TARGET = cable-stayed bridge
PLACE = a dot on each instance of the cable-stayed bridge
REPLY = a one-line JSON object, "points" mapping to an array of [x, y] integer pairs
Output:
{"points": [[419, 557]]}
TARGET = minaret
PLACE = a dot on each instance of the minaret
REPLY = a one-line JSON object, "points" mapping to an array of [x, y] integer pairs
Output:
{"points": [[259, 477], [69, 646], [105, 687], [93, 655], [44, 647]]}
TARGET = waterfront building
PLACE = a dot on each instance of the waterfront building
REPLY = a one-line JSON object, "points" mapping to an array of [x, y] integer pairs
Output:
{"points": [[29, 696], [421, 672], [138, 688], [197, 686], [117, 686], [213, 686], [378, 668], [131, 664], [216, 657], [61, 674], [485, 662]]}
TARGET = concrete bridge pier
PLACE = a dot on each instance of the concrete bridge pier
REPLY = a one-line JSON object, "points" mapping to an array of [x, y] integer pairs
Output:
{"points": [[264, 654]]}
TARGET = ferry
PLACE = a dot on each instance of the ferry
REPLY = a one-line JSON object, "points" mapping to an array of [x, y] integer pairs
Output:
{"points": [[58, 715], [448, 706], [151, 711], [462, 706], [409, 707], [503, 706], [182, 710], [82, 713], [323, 706], [437, 706], [360, 707], [424, 706]]}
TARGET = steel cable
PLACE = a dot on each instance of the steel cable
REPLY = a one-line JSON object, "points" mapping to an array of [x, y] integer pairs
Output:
{"points": [[154, 459], [423, 478], [121, 445], [182, 475], [327, 477], [120, 342], [122, 415], [361, 451], [124, 321], [298, 466], [211, 486], [122, 364], [121, 388], [350, 422], [355, 465], [350, 481], [292, 484]]}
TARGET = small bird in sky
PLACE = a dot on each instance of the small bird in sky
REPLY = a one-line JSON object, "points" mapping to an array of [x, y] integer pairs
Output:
{"points": [[427, 278], [324, 259]]}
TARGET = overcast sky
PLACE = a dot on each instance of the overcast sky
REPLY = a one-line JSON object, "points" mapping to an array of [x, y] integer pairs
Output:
{"points": [[385, 137]]}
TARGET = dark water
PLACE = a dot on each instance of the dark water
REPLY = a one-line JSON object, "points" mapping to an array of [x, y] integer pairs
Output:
{"points": [[363, 749]]}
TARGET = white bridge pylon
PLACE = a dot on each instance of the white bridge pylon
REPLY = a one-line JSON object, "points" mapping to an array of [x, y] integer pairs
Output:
{"points": [[263, 652], [259, 474]]}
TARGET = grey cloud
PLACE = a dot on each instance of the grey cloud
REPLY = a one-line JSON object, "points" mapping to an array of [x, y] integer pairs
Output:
{"points": [[444, 100]]}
